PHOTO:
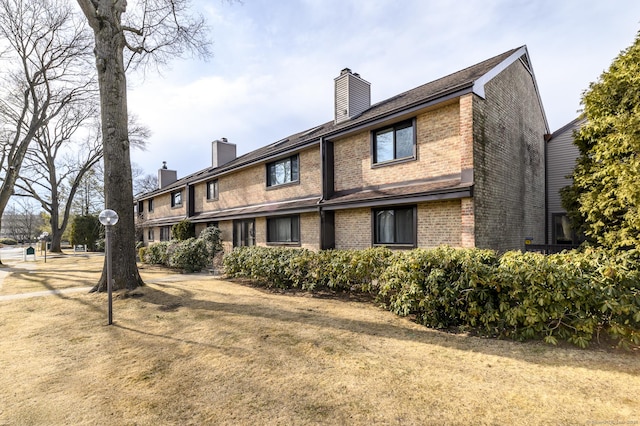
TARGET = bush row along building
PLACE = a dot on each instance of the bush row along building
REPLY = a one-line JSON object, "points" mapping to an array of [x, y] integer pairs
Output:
{"points": [[457, 161]]}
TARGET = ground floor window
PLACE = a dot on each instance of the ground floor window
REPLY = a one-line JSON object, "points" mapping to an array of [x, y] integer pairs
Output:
{"points": [[395, 226], [150, 234], [165, 233], [244, 233], [562, 232], [283, 230]]}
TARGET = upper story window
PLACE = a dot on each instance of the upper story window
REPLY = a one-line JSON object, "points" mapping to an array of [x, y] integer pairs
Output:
{"points": [[394, 143], [212, 190], [395, 226], [283, 171], [283, 230], [150, 205], [176, 199]]}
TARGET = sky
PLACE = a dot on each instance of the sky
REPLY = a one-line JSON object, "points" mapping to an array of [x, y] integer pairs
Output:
{"points": [[274, 63]]}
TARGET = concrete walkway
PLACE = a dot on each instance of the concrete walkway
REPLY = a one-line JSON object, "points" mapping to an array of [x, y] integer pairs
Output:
{"points": [[17, 253]]}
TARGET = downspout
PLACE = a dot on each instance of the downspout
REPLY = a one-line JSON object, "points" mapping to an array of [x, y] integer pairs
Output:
{"points": [[322, 192], [547, 138]]}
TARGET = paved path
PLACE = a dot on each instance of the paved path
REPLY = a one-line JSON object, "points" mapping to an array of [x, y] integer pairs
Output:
{"points": [[44, 293], [17, 253]]}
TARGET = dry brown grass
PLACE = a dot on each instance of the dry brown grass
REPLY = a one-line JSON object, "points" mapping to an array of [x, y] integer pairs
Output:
{"points": [[191, 349]]}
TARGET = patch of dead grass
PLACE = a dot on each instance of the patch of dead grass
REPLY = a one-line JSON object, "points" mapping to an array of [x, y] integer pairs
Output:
{"points": [[191, 349]]}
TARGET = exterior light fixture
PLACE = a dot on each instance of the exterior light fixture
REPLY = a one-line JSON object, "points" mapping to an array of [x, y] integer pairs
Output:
{"points": [[108, 218]]}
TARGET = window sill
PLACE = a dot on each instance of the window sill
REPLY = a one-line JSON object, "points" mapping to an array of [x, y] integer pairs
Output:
{"points": [[397, 246], [276, 244], [282, 185], [393, 162]]}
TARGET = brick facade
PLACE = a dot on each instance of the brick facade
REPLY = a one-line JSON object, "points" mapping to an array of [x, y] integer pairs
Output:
{"points": [[438, 149], [509, 191], [162, 207], [477, 178], [249, 186], [439, 223]]}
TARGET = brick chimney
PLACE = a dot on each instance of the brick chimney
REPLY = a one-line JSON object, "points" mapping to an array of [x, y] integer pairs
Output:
{"points": [[222, 152], [352, 95], [165, 176]]}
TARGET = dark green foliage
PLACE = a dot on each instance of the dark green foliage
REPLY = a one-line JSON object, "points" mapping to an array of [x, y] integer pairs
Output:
{"points": [[573, 296], [183, 230], [190, 255], [85, 230], [8, 241], [212, 238], [604, 199], [156, 254], [344, 270], [442, 287], [142, 253]]}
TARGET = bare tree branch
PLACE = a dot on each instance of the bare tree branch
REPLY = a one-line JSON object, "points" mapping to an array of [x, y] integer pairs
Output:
{"points": [[46, 70], [147, 32]]}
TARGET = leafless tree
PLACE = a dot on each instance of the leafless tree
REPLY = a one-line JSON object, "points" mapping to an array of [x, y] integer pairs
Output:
{"points": [[143, 183], [127, 35], [21, 221], [44, 68], [60, 165], [56, 164]]}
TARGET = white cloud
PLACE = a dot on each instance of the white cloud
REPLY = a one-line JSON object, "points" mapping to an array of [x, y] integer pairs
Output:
{"points": [[274, 63]]}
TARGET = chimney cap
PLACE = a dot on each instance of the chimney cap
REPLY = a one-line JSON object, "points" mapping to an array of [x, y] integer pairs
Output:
{"points": [[164, 165], [345, 71]]}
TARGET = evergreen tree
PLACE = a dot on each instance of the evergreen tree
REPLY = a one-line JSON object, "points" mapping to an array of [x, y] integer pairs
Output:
{"points": [[605, 196]]}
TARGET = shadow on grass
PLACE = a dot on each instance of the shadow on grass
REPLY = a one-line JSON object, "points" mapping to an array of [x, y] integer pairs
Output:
{"points": [[531, 352], [40, 278], [177, 297]]}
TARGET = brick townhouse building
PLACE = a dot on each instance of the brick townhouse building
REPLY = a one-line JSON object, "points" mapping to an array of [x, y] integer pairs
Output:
{"points": [[457, 161]]}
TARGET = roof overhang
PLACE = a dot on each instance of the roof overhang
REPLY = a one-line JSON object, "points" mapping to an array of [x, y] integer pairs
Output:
{"points": [[462, 190], [479, 83], [307, 205], [162, 221]]}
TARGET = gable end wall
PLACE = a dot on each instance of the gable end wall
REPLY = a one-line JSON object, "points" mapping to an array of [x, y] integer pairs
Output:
{"points": [[509, 164]]}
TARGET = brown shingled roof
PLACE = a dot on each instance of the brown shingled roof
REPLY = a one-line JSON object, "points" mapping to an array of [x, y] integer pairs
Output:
{"points": [[431, 91]]}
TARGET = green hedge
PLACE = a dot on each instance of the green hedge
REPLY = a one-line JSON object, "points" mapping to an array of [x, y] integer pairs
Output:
{"points": [[345, 270], [572, 296], [190, 255]]}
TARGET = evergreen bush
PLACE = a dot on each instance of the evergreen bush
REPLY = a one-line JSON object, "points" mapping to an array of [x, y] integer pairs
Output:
{"points": [[573, 296]]}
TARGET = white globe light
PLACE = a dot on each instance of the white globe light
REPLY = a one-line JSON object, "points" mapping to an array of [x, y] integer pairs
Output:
{"points": [[108, 217]]}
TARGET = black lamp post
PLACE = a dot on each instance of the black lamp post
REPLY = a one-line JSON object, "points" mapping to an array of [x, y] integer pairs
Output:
{"points": [[108, 218]]}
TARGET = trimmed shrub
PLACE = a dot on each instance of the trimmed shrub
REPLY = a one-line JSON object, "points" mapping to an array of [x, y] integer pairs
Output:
{"points": [[157, 253], [183, 230], [212, 237], [573, 296], [343, 270], [142, 252], [442, 287], [189, 255], [8, 241]]}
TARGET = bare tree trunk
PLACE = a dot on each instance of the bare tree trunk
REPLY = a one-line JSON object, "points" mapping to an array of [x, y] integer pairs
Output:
{"points": [[117, 161], [56, 232]]}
